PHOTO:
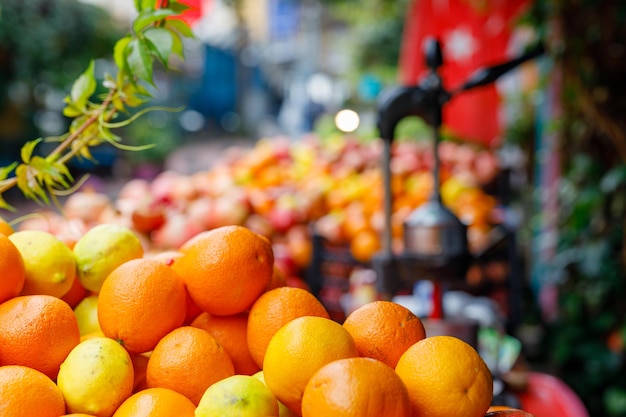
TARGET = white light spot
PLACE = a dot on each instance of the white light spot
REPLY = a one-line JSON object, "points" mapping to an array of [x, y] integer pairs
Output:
{"points": [[347, 120]]}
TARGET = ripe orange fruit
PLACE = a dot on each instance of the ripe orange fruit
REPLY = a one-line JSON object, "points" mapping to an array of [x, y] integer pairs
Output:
{"points": [[356, 387], [279, 279], [272, 310], [5, 228], [140, 365], [383, 330], [502, 411], [37, 331], [226, 269], [298, 350], [156, 402], [76, 294], [168, 257], [493, 408], [364, 245], [12, 269], [26, 392], [188, 360], [445, 376], [140, 302], [230, 332]]}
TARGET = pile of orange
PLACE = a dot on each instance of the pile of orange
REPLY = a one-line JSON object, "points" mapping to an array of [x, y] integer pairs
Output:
{"points": [[379, 362]]}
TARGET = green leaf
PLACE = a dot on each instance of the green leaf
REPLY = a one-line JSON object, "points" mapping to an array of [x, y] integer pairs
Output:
{"points": [[118, 103], [6, 171], [6, 206], [131, 95], [180, 27], [140, 61], [120, 51], [133, 100], [148, 16], [177, 44], [160, 42], [83, 87], [51, 173], [28, 148], [71, 109], [177, 7], [28, 183], [141, 5], [140, 89]]}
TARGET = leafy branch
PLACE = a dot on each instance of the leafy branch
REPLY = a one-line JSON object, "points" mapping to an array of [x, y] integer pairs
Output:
{"points": [[156, 35]]}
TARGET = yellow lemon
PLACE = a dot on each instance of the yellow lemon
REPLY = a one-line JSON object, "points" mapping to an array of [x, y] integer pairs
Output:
{"points": [[96, 377], [102, 249], [238, 396], [48, 261], [86, 312], [283, 411]]}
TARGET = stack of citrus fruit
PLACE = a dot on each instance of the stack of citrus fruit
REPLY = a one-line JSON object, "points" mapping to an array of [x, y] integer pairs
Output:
{"points": [[208, 330]]}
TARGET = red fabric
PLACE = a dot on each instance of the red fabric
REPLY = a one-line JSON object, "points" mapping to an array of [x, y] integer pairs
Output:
{"points": [[473, 33]]}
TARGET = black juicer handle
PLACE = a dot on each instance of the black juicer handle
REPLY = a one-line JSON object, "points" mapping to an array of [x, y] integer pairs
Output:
{"points": [[426, 99]]}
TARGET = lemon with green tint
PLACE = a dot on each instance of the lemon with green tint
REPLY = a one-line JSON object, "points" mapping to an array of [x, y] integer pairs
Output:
{"points": [[96, 377], [102, 249], [49, 263]]}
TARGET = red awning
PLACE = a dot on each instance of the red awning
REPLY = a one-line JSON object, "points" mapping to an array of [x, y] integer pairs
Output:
{"points": [[473, 33]]}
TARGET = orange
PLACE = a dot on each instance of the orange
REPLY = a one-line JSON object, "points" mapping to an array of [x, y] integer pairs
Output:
{"points": [[12, 269], [188, 360], [169, 257], [77, 415], [493, 408], [502, 411], [156, 402], [230, 332], [279, 279], [226, 269], [37, 331], [140, 302], [445, 376], [5, 228], [140, 365], [26, 392], [275, 308], [383, 330], [299, 244], [364, 245], [76, 294], [356, 387], [298, 350]]}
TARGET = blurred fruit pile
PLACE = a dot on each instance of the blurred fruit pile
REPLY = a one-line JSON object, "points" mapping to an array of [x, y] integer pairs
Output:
{"points": [[286, 189], [99, 327]]}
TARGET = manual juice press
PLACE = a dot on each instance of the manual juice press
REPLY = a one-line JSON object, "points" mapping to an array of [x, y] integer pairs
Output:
{"points": [[435, 240]]}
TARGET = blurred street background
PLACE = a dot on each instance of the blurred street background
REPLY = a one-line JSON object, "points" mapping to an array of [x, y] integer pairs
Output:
{"points": [[260, 69]]}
